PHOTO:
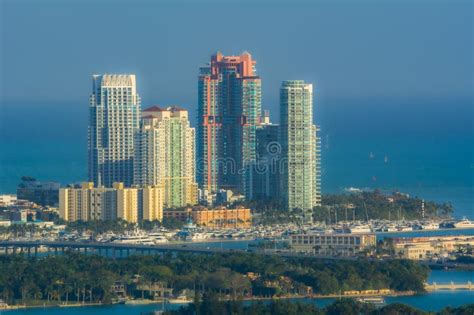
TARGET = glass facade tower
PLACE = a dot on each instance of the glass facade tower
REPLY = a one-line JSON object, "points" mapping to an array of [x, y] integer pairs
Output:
{"points": [[114, 113], [165, 156], [300, 150]]}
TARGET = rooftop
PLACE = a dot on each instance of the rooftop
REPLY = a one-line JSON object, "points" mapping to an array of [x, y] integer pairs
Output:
{"points": [[154, 108]]}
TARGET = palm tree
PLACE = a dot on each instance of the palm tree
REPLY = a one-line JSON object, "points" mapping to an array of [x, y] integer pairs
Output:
{"points": [[67, 289]]}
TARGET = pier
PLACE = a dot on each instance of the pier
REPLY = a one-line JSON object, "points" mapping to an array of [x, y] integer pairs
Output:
{"points": [[449, 286]]}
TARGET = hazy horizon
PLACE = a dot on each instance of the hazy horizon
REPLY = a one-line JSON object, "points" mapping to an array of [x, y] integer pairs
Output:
{"points": [[411, 52], [394, 78]]}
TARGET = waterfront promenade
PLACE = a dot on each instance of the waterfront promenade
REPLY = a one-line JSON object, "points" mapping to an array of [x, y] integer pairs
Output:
{"points": [[449, 286]]}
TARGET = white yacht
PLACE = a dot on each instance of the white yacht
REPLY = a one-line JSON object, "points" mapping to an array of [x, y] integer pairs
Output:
{"points": [[198, 236], [464, 223], [364, 228], [372, 300], [389, 228], [136, 237], [429, 226], [158, 237], [353, 190]]}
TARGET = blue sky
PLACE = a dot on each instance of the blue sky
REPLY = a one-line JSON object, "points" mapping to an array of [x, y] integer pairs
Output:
{"points": [[374, 52]]}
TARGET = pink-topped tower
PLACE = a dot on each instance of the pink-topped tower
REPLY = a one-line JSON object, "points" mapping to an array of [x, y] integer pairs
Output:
{"points": [[229, 106]]}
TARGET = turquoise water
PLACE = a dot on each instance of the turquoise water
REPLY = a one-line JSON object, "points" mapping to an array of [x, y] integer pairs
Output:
{"points": [[444, 232], [446, 276], [93, 310]]}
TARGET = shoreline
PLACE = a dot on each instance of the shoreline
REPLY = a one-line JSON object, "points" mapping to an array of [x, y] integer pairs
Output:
{"points": [[255, 298], [279, 239], [213, 241]]}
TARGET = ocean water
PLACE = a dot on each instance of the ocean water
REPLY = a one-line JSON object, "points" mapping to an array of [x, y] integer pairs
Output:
{"points": [[429, 154]]}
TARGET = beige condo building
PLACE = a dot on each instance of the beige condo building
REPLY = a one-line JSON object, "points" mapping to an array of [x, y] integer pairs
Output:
{"points": [[86, 203]]}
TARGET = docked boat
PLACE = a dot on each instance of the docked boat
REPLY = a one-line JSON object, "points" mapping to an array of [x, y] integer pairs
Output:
{"points": [[158, 237], [389, 228], [464, 223], [353, 190], [429, 226], [136, 237], [359, 229], [197, 236], [404, 228], [376, 300]]}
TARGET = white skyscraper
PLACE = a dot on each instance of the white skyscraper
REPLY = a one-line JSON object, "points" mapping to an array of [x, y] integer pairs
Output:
{"points": [[300, 149], [114, 115]]}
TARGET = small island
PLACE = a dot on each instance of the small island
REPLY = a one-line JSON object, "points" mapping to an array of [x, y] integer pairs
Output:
{"points": [[76, 279]]}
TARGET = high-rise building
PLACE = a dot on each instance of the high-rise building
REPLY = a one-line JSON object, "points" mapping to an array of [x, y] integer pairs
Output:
{"points": [[165, 155], [300, 184], [86, 203], [266, 174], [114, 114], [316, 162], [229, 106]]}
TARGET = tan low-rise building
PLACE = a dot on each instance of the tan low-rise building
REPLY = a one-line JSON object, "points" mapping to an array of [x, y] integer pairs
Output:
{"points": [[332, 244], [183, 214], [86, 203], [426, 247], [223, 217]]}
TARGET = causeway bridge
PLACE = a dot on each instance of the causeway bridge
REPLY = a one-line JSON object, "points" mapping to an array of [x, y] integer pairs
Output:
{"points": [[107, 249], [120, 250], [449, 286]]}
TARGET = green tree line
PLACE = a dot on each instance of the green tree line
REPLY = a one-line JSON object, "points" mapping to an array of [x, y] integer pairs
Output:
{"points": [[376, 205], [80, 277]]}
